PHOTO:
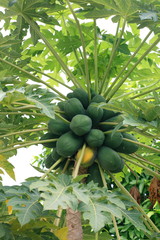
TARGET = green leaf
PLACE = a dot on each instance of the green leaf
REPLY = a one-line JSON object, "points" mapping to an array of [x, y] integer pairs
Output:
{"points": [[26, 209], [134, 217], [7, 166], [42, 98], [94, 212]]}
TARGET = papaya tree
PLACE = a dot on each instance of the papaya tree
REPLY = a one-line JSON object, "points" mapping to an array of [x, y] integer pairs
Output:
{"points": [[90, 96]]}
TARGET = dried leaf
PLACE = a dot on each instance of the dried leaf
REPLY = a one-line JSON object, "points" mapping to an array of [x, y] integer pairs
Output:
{"points": [[154, 191], [135, 194]]}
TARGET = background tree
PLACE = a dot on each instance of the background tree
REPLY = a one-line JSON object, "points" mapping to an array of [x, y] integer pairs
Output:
{"points": [[59, 43]]}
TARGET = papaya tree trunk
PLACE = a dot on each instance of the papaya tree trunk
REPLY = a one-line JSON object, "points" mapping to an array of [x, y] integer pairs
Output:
{"points": [[73, 218], [73, 221]]}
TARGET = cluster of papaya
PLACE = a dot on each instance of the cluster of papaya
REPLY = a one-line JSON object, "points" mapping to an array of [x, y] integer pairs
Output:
{"points": [[84, 122]]}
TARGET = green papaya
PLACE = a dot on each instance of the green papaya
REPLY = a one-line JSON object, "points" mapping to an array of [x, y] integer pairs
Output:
{"points": [[94, 175], [95, 113], [110, 123], [68, 144], [51, 159], [98, 99], [81, 95], [81, 124], [57, 126], [95, 138], [73, 107], [127, 147], [113, 140], [109, 159], [108, 114], [48, 136]]}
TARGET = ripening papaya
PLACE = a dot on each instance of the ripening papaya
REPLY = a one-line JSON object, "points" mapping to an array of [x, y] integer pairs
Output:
{"points": [[88, 156]]}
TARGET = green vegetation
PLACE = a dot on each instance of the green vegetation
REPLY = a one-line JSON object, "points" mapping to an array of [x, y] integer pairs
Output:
{"points": [[57, 63]]}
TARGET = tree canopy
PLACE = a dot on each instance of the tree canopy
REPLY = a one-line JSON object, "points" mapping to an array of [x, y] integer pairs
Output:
{"points": [[47, 46]]}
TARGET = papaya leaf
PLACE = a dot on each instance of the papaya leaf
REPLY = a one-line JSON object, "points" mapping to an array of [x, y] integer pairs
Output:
{"points": [[81, 193], [134, 217], [26, 209], [94, 212], [61, 233], [42, 99], [7, 166]]}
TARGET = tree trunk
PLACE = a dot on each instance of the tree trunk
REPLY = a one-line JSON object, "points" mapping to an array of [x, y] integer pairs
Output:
{"points": [[73, 221]]}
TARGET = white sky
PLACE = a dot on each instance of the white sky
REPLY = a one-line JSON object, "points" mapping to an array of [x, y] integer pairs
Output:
{"points": [[25, 156]]}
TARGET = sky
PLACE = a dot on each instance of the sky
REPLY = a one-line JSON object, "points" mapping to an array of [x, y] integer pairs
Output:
{"points": [[25, 156]]}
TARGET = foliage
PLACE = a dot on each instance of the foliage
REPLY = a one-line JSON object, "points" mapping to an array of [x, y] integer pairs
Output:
{"points": [[54, 43]]}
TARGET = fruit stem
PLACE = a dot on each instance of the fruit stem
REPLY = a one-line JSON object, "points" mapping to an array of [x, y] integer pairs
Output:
{"points": [[145, 216], [113, 217], [78, 163], [33, 24], [102, 175], [141, 144], [95, 57], [142, 166], [21, 113], [114, 48], [84, 49], [62, 118], [96, 236], [126, 65], [32, 77], [135, 90], [51, 168], [28, 144], [143, 93], [24, 131], [54, 79], [140, 159], [116, 227], [120, 83]]}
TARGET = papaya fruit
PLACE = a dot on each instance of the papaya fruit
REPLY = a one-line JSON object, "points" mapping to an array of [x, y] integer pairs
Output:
{"points": [[51, 159], [95, 138], [95, 113], [109, 159], [93, 93], [98, 99], [58, 127], [81, 95], [94, 175], [127, 147], [68, 144], [108, 114], [110, 123], [81, 124], [88, 156], [73, 107], [48, 136], [113, 140], [61, 105]]}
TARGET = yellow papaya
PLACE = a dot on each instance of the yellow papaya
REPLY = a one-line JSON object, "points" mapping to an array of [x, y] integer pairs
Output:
{"points": [[88, 156]]}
